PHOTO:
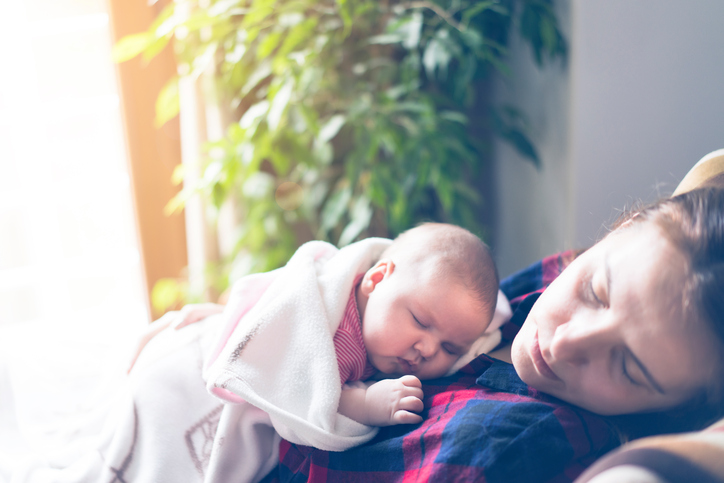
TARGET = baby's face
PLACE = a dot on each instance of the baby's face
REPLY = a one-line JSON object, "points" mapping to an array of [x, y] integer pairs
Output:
{"points": [[416, 322]]}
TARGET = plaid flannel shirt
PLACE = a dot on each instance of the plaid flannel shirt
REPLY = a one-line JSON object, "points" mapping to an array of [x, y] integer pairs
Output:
{"points": [[481, 424]]}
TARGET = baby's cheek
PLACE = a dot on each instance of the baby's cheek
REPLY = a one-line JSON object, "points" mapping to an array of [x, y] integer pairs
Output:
{"points": [[440, 368]]}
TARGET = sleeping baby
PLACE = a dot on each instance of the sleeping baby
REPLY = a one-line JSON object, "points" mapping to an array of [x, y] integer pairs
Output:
{"points": [[419, 308], [398, 311]]}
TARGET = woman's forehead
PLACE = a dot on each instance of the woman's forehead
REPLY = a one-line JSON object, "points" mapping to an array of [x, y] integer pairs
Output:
{"points": [[648, 278], [645, 247]]}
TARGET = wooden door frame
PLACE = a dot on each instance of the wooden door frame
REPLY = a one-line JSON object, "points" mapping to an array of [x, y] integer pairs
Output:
{"points": [[153, 152]]}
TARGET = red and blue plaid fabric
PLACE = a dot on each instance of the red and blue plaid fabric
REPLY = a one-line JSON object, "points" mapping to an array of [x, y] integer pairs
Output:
{"points": [[481, 424]]}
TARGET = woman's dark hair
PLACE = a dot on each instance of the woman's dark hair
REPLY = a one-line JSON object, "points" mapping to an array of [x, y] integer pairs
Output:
{"points": [[694, 222]]}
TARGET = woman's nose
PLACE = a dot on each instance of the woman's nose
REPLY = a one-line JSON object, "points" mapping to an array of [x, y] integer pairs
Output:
{"points": [[581, 342]]}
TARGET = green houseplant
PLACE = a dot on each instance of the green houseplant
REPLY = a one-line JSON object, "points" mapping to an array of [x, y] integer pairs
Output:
{"points": [[347, 118]]}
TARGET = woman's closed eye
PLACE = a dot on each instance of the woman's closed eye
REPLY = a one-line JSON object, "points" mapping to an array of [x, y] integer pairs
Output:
{"points": [[599, 286], [594, 296], [597, 291], [626, 373]]}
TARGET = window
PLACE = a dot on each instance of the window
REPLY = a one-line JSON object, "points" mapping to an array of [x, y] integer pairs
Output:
{"points": [[70, 265]]}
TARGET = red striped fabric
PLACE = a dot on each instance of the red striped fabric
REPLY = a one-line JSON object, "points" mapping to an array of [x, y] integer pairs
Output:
{"points": [[349, 345]]}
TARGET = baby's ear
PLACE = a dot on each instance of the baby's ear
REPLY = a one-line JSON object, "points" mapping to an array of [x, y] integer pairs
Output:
{"points": [[380, 271]]}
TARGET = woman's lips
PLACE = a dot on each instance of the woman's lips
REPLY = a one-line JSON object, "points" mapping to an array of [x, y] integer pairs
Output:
{"points": [[540, 364]]}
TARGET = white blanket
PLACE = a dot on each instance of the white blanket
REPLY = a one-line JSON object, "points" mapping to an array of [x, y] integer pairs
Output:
{"points": [[277, 349], [163, 427]]}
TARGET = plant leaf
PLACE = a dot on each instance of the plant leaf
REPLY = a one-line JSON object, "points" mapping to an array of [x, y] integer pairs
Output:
{"points": [[155, 48], [331, 128], [167, 103], [361, 215], [413, 31], [166, 293], [262, 71], [253, 114], [279, 104], [386, 39], [222, 7], [131, 45], [436, 57], [267, 46], [335, 207], [523, 145], [454, 116]]}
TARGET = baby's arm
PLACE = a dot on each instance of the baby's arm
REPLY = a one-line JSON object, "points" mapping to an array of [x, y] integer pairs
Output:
{"points": [[384, 403]]}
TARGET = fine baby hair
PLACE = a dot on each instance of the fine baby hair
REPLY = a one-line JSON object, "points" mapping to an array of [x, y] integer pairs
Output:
{"points": [[458, 256]]}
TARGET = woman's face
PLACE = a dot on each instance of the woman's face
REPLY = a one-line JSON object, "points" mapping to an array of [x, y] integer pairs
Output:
{"points": [[609, 334]]}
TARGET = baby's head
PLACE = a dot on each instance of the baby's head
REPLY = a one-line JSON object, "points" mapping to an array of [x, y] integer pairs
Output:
{"points": [[428, 298]]}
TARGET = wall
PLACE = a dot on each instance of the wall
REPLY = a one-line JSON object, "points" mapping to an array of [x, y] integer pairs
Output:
{"points": [[638, 103]]}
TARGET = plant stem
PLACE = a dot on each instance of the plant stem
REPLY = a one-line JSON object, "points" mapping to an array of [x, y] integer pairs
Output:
{"points": [[442, 13]]}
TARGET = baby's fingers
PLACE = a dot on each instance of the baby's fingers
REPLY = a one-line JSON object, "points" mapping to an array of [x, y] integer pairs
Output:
{"points": [[412, 391], [412, 386], [411, 403], [410, 381], [406, 417]]}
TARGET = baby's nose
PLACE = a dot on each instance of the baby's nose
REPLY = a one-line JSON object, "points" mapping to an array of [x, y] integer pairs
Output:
{"points": [[427, 347]]}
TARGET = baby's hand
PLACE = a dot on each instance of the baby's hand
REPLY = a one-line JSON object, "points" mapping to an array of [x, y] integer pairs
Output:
{"points": [[394, 401], [189, 314]]}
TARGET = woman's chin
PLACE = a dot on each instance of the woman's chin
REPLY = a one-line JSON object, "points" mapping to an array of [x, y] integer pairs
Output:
{"points": [[518, 349]]}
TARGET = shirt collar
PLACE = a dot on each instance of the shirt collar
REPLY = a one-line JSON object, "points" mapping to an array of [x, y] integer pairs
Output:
{"points": [[501, 376]]}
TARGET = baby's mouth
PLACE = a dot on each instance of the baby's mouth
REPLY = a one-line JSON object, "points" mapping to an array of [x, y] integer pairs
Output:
{"points": [[407, 366]]}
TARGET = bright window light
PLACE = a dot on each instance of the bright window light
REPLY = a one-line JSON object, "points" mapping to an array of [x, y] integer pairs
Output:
{"points": [[71, 286]]}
